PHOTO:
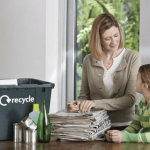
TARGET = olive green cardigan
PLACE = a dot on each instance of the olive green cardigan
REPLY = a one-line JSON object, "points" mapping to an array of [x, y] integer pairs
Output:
{"points": [[120, 105]]}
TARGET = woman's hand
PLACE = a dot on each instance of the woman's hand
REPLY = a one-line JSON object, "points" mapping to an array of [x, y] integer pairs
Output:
{"points": [[116, 136], [73, 106], [85, 106]]}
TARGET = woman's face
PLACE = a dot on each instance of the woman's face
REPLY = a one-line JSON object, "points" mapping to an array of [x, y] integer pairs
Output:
{"points": [[110, 39], [139, 83]]}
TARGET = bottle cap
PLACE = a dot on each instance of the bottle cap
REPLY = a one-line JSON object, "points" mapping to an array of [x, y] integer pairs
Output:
{"points": [[35, 107]]}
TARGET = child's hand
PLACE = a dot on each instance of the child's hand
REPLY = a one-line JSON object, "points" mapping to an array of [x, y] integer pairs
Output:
{"points": [[107, 135], [116, 136]]}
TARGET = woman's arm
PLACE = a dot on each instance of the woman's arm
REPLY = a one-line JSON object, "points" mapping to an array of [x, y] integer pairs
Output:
{"points": [[85, 90], [84, 98]]}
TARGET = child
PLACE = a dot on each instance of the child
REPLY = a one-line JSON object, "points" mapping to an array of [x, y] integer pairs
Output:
{"points": [[139, 129]]}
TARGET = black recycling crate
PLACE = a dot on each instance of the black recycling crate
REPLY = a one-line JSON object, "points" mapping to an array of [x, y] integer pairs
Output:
{"points": [[16, 102]]}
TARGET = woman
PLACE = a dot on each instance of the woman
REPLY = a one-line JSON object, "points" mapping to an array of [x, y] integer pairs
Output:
{"points": [[109, 73]]}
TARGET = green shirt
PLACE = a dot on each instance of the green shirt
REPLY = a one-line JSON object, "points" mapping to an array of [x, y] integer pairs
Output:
{"points": [[139, 129]]}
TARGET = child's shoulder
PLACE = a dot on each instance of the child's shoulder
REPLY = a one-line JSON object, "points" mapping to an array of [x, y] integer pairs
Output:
{"points": [[148, 105], [142, 101], [141, 104]]}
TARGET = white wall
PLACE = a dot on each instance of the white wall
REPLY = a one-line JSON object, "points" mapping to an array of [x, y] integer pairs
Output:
{"points": [[145, 31], [22, 38], [29, 42], [144, 44]]}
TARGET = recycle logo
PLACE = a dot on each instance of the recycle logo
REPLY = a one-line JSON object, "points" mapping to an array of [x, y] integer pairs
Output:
{"points": [[15, 100]]}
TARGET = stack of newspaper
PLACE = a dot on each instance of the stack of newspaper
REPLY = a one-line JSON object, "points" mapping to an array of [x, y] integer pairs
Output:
{"points": [[79, 126]]}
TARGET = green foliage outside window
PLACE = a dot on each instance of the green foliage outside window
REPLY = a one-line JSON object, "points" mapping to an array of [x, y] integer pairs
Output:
{"points": [[127, 13]]}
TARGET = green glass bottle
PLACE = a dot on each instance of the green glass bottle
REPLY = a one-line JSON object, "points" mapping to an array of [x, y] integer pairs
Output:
{"points": [[43, 125]]}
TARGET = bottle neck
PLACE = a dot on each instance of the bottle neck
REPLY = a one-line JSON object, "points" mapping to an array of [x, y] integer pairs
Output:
{"points": [[43, 107], [35, 107]]}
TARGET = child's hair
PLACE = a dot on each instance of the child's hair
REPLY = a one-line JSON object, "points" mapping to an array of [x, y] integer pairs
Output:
{"points": [[145, 74]]}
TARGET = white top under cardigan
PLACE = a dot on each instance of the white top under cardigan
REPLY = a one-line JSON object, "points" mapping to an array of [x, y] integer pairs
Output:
{"points": [[109, 74], [108, 81]]}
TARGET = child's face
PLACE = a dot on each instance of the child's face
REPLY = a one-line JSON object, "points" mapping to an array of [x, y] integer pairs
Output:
{"points": [[139, 83]]}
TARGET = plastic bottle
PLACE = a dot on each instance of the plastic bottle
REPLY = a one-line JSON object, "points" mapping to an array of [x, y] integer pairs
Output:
{"points": [[34, 115], [44, 126]]}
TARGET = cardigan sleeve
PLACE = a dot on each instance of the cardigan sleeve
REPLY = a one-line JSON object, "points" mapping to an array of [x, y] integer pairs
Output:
{"points": [[132, 132], [84, 85]]}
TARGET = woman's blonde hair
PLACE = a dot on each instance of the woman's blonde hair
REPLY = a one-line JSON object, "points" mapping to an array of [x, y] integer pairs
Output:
{"points": [[102, 23], [145, 74]]}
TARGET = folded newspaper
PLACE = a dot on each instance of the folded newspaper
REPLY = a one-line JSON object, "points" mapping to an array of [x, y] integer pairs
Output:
{"points": [[79, 126]]}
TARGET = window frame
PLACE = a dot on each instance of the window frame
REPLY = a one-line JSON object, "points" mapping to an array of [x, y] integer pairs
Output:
{"points": [[71, 50]]}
